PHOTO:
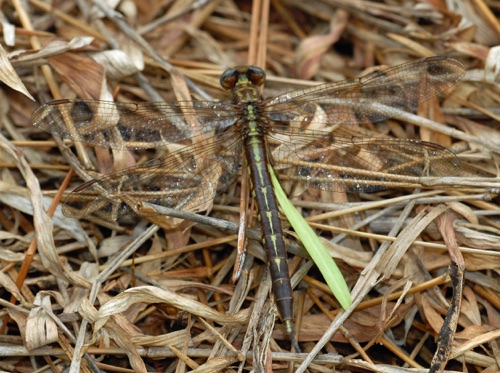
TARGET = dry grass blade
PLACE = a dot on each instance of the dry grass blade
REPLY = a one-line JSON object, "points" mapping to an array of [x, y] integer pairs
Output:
{"points": [[9, 76], [155, 291]]}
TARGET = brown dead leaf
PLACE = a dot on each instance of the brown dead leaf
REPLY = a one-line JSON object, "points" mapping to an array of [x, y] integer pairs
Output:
{"points": [[81, 73], [310, 51], [433, 318]]}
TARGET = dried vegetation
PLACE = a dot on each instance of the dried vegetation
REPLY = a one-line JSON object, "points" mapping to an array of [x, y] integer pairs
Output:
{"points": [[136, 297]]}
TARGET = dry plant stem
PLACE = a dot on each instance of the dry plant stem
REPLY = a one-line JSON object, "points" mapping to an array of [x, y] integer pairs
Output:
{"points": [[371, 205], [457, 267], [488, 113], [488, 294], [208, 263], [262, 17], [216, 223], [243, 287], [397, 351], [25, 21], [243, 224], [154, 353], [450, 131], [34, 144], [388, 297], [221, 338], [76, 165], [124, 254], [472, 113], [184, 359], [475, 342], [254, 53], [35, 166], [419, 346], [418, 288], [362, 223], [300, 302], [383, 238], [30, 253], [256, 315], [407, 236]]}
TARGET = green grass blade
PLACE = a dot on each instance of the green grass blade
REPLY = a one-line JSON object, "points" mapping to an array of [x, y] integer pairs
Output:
{"points": [[314, 247]]}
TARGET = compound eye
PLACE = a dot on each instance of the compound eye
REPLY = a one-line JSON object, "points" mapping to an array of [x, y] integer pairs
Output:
{"points": [[256, 75], [228, 79]]}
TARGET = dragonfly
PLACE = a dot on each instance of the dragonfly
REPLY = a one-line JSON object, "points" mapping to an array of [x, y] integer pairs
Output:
{"points": [[305, 135]]}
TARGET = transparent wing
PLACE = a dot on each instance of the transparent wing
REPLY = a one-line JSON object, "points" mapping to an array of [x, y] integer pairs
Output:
{"points": [[342, 163], [210, 149], [185, 180], [133, 125], [371, 98]]}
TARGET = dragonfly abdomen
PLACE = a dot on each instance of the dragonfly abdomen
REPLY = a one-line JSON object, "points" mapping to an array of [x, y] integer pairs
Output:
{"points": [[272, 233]]}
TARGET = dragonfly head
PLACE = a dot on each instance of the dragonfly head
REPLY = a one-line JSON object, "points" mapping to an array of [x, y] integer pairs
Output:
{"points": [[242, 75]]}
